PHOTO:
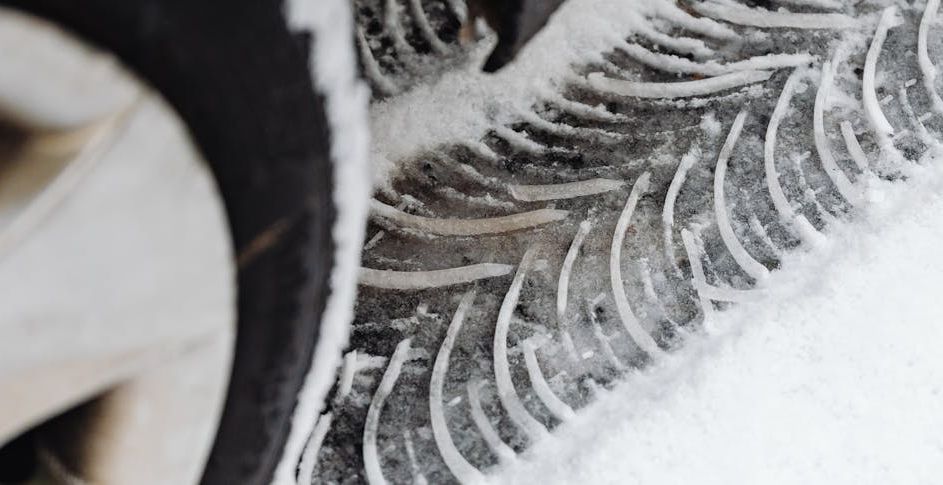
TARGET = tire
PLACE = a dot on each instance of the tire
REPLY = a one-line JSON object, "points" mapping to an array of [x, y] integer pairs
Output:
{"points": [[241, 80]]}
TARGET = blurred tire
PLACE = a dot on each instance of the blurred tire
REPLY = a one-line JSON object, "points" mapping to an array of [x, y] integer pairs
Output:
{"points": [[240, 77]]}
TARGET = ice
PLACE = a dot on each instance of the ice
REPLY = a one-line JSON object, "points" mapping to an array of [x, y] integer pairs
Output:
{"points": [[412, 280], [582, 188], [463, 471], [563, 284], [758, 17], [502, 370], [466, 227], [629, 321]]}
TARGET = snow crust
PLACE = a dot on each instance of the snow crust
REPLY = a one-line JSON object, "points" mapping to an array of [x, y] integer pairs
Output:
{"points": [[835, 376]]}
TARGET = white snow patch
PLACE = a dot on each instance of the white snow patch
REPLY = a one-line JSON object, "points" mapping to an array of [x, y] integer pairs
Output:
{"points": [[333, 68], [420, 119], [835, 377]]}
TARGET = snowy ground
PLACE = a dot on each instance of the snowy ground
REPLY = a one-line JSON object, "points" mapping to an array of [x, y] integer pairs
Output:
{"points": [[703, 250], [835, 378]]}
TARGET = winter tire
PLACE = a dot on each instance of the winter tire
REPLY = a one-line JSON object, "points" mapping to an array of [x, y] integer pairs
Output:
{"points": [[266, 90]]}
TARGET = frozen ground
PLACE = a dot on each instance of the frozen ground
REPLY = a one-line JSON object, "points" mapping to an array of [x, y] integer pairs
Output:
{"points": [[835, 378], [647, 249]]}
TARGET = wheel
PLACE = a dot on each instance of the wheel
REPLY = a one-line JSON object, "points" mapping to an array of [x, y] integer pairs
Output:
{"points": [[265, 244]]}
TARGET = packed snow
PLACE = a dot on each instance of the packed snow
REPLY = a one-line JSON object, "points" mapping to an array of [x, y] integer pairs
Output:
{"points": [[835, 377]]}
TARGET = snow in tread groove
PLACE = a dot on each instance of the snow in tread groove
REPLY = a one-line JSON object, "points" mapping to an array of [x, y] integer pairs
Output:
{"points": [[578, 33], [503, 106], [836, 378]]}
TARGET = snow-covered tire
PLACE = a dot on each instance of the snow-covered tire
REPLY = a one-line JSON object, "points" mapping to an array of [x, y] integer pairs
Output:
{"points": [[531, 251], [267, 90]]}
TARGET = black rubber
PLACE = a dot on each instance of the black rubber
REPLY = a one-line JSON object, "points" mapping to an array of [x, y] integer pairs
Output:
{"points": [[240, 80], [18, 462], [515, 22]]}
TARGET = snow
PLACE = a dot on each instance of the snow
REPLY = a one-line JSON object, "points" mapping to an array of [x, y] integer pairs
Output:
{"points": [[631, 324], [506, 390], [800, 225], [570, 190], [822, 145], [694, 251], [812, 378], [371, 459], [467, 227], [346, 98], [413, 280], [557, 407], [463, 471], [834, 377], [683, 65], [577, 33], [566, 269]]}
